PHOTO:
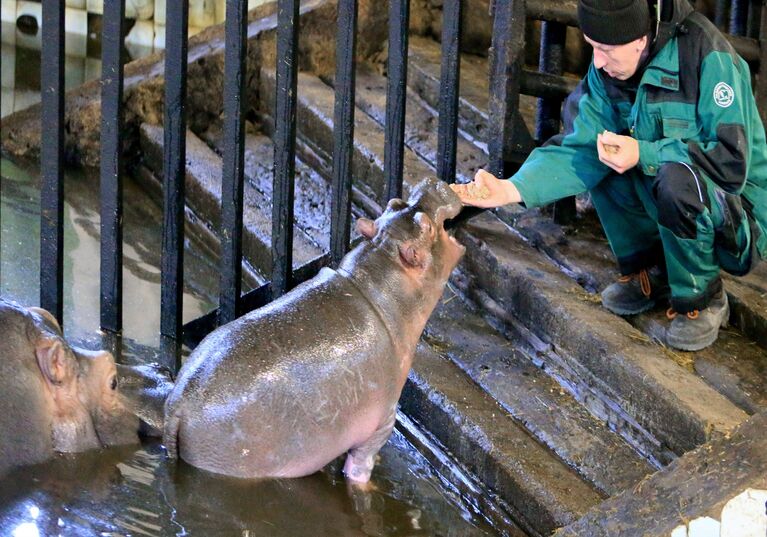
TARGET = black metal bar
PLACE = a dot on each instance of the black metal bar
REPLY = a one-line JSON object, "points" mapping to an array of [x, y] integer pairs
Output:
{"points": [[720, 14], [396, 97], [111, 164], [52, 160], [174, 157], [739, 17], [553, 35], [196, 330], [562, 11], [234, 163], [284, 146], [754, 18], [343, 128], [450, 77], [550, 62], [761, 77], [546, 85], [506, 57]]}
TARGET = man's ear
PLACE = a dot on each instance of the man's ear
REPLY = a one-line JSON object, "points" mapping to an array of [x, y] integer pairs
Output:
{"points": [[53, 360], [366, 227], [412, 255]]}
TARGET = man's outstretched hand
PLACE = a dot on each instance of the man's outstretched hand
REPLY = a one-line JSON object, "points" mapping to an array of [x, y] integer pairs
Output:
{"points": [[621, 153], [487, 191]]}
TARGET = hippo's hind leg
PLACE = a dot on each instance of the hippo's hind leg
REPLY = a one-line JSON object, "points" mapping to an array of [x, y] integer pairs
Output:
{"points": [[361, 459]]}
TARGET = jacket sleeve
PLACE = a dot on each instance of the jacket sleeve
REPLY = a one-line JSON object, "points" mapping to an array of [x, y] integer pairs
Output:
{"points": [[724, 115], [568, 164]]}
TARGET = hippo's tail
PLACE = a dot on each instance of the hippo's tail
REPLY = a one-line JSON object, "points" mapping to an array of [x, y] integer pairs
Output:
{"points": [[170, 434]]}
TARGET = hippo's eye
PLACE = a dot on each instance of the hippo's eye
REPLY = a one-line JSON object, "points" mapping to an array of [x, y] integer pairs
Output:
{"points": [[113, 383]]}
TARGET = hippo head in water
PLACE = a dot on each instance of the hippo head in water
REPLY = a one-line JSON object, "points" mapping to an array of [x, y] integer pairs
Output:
{"points": [[54, 397]]}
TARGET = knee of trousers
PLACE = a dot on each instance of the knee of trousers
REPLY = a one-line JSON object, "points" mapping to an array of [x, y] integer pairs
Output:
{"points": [[681, 195]]}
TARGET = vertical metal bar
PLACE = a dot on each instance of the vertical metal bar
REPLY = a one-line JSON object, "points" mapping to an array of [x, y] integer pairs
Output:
{"points": [[739, 17], [720, 14], [284, 146], [174, 157], [550, 62], [111, 165], [234, 165], [52, 160], [553, 36], [506, 55], [343, 127], [761, 78], [450, 78], [396, 96], [754, 18]]}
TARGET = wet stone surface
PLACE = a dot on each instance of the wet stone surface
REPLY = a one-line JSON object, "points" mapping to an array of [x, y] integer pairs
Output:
{"points": [[137, 491]]}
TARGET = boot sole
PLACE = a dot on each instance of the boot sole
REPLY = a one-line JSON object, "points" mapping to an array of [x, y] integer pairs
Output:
{"points": [[708, 340]]}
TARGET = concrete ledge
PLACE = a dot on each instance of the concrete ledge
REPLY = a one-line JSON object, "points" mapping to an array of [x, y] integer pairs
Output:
{"points": [[533, 398], [669, 402], [695, 485], [542, 492]]}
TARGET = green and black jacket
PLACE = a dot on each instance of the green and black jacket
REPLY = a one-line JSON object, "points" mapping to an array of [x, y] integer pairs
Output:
{"points": [[693, 104]]}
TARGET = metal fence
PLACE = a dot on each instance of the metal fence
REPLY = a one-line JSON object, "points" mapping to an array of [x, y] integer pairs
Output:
{"points": [[508, 78]]}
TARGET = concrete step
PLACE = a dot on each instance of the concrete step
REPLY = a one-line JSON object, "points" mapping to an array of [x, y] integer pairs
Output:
{"points": [[421, 124], [662, 407], [735, 365], [312, 203], [540, 492], [699, 484], [203, 195], [550, 414], [424, 66]]}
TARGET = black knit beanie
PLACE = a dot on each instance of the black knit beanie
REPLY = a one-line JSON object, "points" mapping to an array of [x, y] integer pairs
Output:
{"points": [[614, 22]]}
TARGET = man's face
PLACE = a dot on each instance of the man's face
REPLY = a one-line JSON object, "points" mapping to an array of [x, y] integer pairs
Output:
{"points": [[618, 61]]}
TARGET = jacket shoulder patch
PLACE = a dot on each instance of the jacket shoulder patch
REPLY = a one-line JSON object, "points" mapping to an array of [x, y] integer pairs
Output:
{"points": [[724, 95]]}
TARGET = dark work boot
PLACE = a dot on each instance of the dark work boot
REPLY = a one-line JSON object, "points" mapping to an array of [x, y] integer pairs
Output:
{"points": [[698, 329], [636, 293]]}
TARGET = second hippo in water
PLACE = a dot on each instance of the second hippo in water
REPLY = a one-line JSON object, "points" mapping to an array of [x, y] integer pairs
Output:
{"points": [[54, 397], [286, 389]]}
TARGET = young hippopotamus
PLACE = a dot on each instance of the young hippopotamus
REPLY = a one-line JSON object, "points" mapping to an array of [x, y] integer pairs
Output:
{"points": [[286, 389], [53, 397]]}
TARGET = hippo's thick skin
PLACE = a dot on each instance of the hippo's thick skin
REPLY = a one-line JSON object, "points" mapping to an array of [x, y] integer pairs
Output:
{"points": [[286, 389]]}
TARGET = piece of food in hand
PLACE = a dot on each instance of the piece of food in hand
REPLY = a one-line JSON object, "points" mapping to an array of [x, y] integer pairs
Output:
{"points": [[476, 191], [612, 149]]}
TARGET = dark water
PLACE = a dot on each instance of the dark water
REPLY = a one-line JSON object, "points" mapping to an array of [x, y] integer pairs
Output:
{"points": [[137, 491]]}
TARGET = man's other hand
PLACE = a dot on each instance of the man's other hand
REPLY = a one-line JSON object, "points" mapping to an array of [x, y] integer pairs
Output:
{"points": [[487, 191], [621, 153]]}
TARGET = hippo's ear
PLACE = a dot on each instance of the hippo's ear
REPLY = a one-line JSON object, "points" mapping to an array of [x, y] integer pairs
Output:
{"points": [[53, 360], [366, 227], [411, 255]]}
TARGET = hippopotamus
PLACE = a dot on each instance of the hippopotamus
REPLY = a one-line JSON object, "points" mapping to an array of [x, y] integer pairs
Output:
{"points": [[287, 388], [54, 397]]}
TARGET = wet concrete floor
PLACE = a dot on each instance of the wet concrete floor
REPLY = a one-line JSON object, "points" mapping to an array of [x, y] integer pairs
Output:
{"points": [[136, 490]]}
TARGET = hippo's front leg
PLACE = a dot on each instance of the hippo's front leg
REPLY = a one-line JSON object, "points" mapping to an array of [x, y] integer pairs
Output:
{"points": [[361, 459]]}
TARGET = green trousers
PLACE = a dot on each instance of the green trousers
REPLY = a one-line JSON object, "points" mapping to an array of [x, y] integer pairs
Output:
{"points": [[679, 219]]}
